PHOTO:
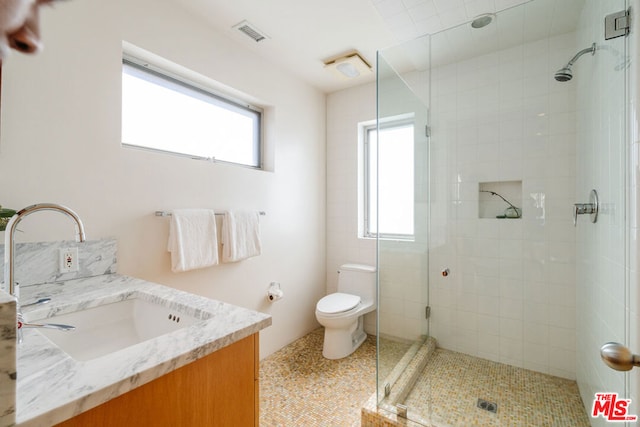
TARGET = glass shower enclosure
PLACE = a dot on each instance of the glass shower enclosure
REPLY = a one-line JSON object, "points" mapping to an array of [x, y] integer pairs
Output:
{"points": [[498, 284]]}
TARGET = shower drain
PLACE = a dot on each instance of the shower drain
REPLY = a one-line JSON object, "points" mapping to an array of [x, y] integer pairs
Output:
{"points": [[488, 406]]}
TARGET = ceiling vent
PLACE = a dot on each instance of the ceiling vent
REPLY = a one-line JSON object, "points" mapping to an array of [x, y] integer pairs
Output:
{"points": [[251, 31]]}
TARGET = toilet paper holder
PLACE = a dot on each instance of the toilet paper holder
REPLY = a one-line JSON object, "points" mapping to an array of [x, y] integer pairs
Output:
{"points": [[274, 292]]}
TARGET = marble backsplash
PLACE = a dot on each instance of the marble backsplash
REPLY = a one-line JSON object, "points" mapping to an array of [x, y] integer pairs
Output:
{"points": [[38, 262]]}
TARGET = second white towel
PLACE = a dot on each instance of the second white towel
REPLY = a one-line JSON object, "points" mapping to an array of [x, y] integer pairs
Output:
{"points": [[193, 239], [240, 236]]}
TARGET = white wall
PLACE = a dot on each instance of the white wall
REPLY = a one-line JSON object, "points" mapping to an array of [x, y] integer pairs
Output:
{"points": [[61, 143]]}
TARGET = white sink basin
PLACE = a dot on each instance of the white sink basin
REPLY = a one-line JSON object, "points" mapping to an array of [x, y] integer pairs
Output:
{"points": [[111, 327]]}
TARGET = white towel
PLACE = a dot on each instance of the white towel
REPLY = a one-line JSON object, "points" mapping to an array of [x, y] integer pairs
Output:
{"points": [[193, 240], [240, 236]]}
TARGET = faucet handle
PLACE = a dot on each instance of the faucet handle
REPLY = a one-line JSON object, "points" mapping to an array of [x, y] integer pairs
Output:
{"points": [[56, 326]]}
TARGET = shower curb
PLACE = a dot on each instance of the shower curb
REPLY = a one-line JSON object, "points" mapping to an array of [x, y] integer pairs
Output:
{"points": [[410, 375], [402, 378]]}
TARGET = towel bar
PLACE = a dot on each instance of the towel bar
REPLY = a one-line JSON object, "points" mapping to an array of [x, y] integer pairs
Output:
{"points": [[165, 213]]}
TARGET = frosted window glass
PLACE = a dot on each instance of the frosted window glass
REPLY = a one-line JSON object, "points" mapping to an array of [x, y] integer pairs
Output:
{"points": [[163, 114], [390, 170]]}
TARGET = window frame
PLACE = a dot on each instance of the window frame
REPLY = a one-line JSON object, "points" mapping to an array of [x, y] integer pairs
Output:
{"points": [[390, 122], [168, 79]]}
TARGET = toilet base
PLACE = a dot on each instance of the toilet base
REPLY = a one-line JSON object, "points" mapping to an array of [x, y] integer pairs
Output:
{"points": [[340, 343]]}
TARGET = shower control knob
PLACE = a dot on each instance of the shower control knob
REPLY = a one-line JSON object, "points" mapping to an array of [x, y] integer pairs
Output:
{"points": [[590, 208]]}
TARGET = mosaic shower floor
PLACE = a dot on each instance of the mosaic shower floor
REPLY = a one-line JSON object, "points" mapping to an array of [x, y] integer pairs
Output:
{"points": [[452, 382], [299, 387]]}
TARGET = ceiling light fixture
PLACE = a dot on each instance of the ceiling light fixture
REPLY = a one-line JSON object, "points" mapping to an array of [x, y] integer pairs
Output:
{"points": [[483, 20], [348, 66]]}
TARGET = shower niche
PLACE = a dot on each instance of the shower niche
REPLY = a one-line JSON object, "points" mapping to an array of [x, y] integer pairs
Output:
{"points": [[501, 200]]}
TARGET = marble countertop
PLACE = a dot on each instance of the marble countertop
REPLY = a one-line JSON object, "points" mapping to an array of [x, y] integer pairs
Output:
{"points": [[52, 386]]}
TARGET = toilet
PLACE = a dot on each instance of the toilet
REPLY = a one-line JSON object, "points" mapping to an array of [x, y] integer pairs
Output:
{"points": [[341, 313]]}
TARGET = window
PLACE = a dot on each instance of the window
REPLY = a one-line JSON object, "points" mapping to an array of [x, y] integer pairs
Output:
{"points": [[164, 113], [390, 169]]}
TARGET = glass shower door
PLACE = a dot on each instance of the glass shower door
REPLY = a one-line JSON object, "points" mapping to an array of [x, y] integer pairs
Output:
{"points": [[402, 215]]}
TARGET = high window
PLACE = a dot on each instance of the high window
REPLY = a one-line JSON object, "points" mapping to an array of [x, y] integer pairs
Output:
{"points": [[164, 112]]}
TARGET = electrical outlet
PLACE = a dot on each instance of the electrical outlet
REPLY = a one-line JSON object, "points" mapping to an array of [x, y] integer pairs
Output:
{"points": [[68, 260]]}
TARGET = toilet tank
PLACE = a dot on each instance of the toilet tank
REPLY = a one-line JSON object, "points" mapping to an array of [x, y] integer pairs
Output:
{"points": [[358, 279]]}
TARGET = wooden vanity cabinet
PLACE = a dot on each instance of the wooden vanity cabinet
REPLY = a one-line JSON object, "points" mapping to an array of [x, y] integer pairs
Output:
{"points": [[220, 389]]}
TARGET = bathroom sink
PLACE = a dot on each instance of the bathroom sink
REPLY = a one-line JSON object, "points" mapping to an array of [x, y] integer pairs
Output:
{"points": [[111, 327]]}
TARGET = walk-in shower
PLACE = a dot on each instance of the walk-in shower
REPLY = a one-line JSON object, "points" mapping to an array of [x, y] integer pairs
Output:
{"points": [[565, 73], [517, 321]]}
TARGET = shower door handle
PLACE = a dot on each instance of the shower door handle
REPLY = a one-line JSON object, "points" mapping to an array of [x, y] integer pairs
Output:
{"points": [[590, 208], [618, 357]]}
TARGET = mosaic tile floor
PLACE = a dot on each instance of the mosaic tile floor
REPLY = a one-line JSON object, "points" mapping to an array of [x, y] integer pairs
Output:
{"points": [[452, 382], [299, 387]]}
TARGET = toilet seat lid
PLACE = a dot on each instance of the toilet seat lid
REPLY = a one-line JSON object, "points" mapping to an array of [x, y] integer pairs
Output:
{"points": [[337, 303]]}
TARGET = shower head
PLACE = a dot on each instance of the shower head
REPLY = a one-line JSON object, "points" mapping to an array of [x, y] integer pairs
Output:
{"points": [[565, 74]]}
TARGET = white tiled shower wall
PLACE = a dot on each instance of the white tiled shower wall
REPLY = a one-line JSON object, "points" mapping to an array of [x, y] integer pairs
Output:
{"points": [[510, 296], [607, 285]]}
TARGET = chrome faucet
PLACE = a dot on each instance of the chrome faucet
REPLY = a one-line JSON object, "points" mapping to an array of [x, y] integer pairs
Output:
{"points": [[9, 238], [9, 253]]}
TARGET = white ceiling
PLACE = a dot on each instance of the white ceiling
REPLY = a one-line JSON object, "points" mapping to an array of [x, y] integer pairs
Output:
{"points": [[304, 34]]}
